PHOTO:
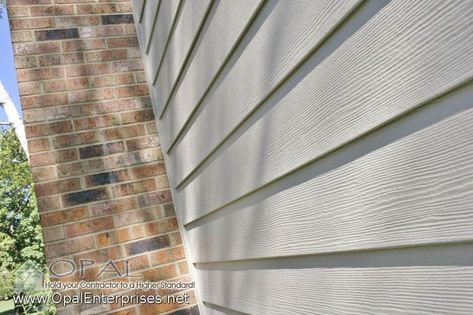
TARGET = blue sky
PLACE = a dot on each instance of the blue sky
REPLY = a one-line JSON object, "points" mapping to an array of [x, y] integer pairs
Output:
{"points": [[7, 65]]}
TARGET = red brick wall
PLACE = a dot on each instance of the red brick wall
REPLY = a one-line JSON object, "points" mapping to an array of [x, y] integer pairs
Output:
{"points": [[99, 175]]}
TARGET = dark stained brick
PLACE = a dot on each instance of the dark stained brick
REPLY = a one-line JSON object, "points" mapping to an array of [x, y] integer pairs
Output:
{"points": [[117, 19], [85, 196], [101, 150], [147, 245], [57, 34], [106, 178]]}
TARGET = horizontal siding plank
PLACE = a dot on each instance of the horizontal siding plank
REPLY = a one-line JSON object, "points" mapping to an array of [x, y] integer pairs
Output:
{"points": [[150, 12], [291, 31], [190, 22], [158, 40], [227, 25], [398, 290], [414, 190], [355, 90]]}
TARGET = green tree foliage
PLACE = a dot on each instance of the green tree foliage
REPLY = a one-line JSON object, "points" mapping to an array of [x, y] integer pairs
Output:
{"points": [[20, 232]]}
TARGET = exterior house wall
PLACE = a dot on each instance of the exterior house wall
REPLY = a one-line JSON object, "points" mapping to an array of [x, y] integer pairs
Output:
{"points": [[99, 174], [319, 152]]}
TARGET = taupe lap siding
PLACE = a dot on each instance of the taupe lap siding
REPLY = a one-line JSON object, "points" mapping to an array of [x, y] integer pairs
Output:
{"points": [[321, 128]]}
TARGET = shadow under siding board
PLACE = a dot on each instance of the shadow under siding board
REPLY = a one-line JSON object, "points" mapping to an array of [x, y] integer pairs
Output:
{"points": [[397, 290], [286, 37], [354, 91], [227, 26], [407, 184], [185, 35], [155, 49]]}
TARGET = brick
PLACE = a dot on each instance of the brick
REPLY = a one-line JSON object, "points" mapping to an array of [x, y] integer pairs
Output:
{"points": [[193, 310], [137, 216], [175, 238], [36, 48], [106, 239], [44, 100], [56, 187], [117, 19], [113, 206], [104, 8], [53, 234], [77, 213], [130, 91], [161, 257], [62, 59], [169, 210], [50, 158], [29, 88], [48, 129], [162, 226], [68, 21], [38, 145], [80, 168], [17, 11], [75, 139], [122, 42], [32, 115], [69, 247], [96, 122], [106, 55], [83, 44], [101, 255], [87, 69], [113, 80], [31, 23], [77, 84], [128, 311], [90, 226], [52, 10], [161, 273], [135, 188], [106, 178], [151, 128], [101, 31], [25, 62], [117, 106], [147, 245], [90, 95], [53, 86], [53, 218], [124, 132], [154, 198], [84, 196], [101, 150], [142, 143], [134, 263], [21, 36], [130, 65], [178, 253], [183, 268], [65, 33], [137, 116], [130, 233], [140, 77], [48, 203], [144, 171], [43, 173], [39, 74]]}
